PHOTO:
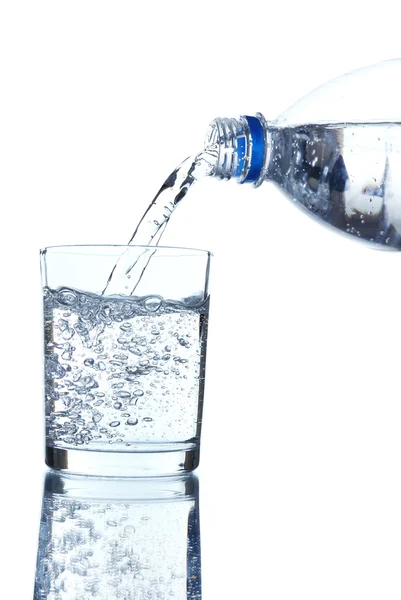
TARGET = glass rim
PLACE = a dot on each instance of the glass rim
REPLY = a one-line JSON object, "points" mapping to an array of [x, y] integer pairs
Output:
{"points": [[124, 246]]}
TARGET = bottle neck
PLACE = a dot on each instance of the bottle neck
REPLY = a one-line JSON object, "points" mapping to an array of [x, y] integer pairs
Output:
{"points": [[242, 148]]}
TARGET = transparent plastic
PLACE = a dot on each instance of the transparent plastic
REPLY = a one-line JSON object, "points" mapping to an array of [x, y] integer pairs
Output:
{"points": [[336, 153]]}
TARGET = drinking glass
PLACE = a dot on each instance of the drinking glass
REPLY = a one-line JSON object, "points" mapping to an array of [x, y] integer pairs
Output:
{"points": [[125, 332], [110, 538]]}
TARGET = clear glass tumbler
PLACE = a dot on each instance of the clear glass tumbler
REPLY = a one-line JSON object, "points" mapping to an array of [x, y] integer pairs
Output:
{"points": [[125, 331], [110, 538]]}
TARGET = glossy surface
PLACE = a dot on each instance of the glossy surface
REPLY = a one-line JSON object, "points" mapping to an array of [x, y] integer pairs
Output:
{"points": [[346, 175], [111, 538]]}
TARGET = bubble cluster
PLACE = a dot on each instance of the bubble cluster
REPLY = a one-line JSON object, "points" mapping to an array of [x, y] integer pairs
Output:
{"points": [[122, 370], [117, 550]]}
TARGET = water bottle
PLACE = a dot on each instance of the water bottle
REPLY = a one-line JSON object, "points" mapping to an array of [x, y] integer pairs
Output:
{"points": [[336, 153]]}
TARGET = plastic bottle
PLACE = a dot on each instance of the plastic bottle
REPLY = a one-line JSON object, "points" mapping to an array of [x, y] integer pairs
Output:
{"points": [[336, 152]]}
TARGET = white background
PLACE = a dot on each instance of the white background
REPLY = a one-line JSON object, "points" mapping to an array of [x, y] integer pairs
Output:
{"points": [[99, 101]]}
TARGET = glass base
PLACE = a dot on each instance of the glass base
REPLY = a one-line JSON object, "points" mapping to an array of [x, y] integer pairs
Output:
{"points": [[170, 459]]}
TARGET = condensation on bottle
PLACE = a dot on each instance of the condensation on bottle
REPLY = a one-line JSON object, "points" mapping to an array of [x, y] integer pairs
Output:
{"points": [[336, 153]]}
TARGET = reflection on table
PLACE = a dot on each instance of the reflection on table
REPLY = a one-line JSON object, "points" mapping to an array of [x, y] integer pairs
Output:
{"points": [[126, 539]]}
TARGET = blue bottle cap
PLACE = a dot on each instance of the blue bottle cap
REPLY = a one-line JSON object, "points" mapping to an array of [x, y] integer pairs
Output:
{"points": [[258, 149]]}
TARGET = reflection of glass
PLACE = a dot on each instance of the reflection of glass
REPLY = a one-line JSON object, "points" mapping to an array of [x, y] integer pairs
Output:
{"points": [[124, 373], [126, 539]]}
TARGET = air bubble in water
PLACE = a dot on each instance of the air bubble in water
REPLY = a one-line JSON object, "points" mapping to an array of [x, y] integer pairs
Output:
{"points": [[117, 386], [68, 333], [111, 523], [129, 529], [134, 350], [62, 325], [153, 303], [67, 297]]}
